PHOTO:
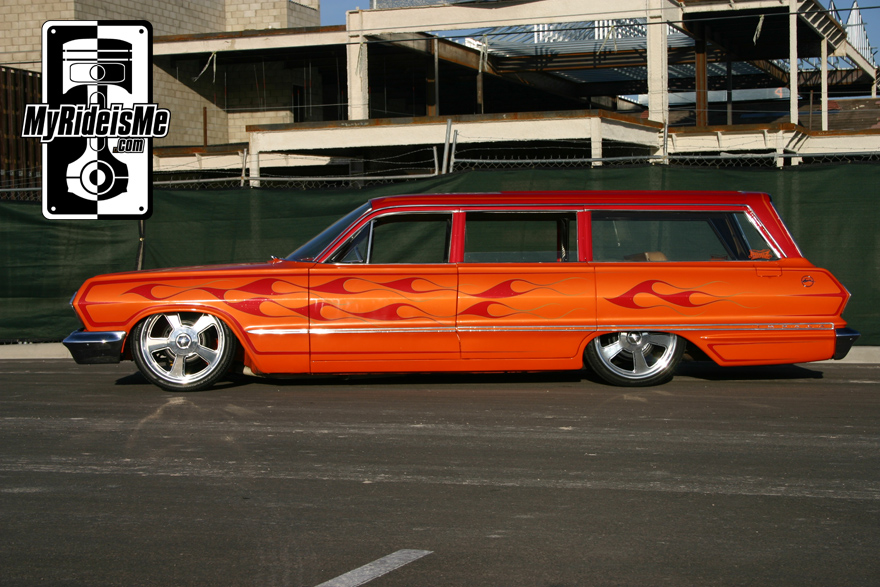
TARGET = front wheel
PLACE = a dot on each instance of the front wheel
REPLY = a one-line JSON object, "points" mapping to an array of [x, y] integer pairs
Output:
{"points": [[635, 358], [184, 351]]}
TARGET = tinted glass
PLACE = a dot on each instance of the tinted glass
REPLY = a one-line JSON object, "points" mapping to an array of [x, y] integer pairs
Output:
{"points": [[520, 237], [411, 238], [674, 236], [399, 239], [316, 246], [759, 248]]}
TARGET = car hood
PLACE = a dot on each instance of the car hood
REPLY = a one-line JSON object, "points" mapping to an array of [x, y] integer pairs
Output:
{"points": [[277, 264]]}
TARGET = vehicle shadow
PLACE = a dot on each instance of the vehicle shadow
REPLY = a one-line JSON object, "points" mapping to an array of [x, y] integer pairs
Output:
{"points": [[383, 379], [709, 371], [229, 382], [705, 370]]}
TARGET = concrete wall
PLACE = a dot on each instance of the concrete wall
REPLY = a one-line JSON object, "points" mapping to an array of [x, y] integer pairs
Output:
{"points": [[270, 93], [21, 20], [168, 18], [186, 106], [20, 25], [20, 43], [239, 120], [270, 14], [304, 13]]}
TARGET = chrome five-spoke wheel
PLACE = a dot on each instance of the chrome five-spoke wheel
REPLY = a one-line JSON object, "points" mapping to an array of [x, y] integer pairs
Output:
{"points": [[184, 351], [635, 357]]}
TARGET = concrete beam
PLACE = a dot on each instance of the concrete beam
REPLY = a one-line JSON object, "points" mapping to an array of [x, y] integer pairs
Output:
{"points": [[784, 138], [199, 161], [737, 138], [471, 129], [819, 142], [719, 5], [249, 40], [484, 15]]}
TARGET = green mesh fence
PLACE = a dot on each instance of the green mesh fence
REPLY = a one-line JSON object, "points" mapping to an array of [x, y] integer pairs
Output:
{"points": [[831, 211], [42, 262]]}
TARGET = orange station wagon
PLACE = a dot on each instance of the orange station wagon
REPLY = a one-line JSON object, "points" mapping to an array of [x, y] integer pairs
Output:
{"points": [[518, 281]]}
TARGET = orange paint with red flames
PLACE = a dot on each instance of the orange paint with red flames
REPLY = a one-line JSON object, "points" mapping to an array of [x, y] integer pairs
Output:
{"points": [[323, 315]]}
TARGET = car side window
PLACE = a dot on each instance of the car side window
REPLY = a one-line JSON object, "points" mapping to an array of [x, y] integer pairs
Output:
{"points": [[399, 239], [520, 237], [676, 236]]}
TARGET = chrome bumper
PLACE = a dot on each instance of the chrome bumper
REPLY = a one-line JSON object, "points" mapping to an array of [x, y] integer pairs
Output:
{"points": [[89, 348], [845, 339]]}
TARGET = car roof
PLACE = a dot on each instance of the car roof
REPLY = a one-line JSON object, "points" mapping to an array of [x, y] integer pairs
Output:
{"points": [[570, 198]]}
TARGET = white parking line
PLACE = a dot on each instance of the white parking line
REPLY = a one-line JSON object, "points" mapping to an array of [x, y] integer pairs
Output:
{"points": [[375, 569]]}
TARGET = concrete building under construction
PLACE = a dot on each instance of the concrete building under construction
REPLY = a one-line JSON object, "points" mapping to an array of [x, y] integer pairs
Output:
{"points": [[412, 87], [657, 80]]}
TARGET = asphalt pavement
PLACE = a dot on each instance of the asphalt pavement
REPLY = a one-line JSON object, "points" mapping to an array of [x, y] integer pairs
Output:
{"points": [[748, 476]]}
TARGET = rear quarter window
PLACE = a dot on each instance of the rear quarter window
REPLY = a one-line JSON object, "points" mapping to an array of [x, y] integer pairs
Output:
{"points": [[676, 236]]}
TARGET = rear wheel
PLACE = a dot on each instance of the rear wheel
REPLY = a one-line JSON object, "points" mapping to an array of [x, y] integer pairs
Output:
{"points": [[185, 351], [635, 358]]}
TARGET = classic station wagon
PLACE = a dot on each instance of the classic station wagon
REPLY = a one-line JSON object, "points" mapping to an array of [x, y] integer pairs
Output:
{"points": [[520, 281]]}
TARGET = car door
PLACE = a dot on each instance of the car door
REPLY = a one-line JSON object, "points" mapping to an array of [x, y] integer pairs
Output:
{"points": [[523, 294], [386, 298]]}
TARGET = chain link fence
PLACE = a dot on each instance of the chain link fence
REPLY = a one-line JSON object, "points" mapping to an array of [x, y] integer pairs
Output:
{"points": [[420, 164]]}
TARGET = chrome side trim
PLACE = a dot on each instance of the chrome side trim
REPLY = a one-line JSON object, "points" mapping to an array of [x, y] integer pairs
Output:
{"points": [[745, 327], [89, 348], [277, 331], [384, 329], [551, 328]]}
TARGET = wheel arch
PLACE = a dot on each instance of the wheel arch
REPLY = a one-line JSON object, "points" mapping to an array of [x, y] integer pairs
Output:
{"points": [[234, 326], [687, 336]]}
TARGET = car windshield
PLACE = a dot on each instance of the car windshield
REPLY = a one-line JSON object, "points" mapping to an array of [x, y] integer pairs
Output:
{"points": [[313, 248]]}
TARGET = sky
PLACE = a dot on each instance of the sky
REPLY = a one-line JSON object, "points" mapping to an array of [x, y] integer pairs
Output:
{"points": [[333, 12]]}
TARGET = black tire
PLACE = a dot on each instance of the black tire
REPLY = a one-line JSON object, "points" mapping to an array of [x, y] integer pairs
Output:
{"points": [[635, 358], [185, 351]]}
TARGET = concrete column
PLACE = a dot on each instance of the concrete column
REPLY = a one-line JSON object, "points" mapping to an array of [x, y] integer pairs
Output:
{"points": [[701, 66], [729, 89], [596, 140], [433, 85], [357, 68], [658, 64], [793, 60], [824, 84], [254, 166], [780, 148]]}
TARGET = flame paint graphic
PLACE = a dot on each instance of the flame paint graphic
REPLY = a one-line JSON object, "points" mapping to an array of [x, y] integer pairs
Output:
{"points": [[406, 285], [389, 313], [265, 288], [266, 291], [681, 298], [262, 287], [481, 309], [505, 289]]}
